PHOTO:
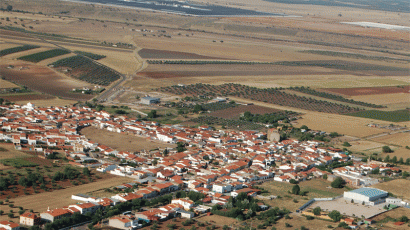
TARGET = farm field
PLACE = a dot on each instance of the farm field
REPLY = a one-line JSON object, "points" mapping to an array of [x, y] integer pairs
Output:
{"points": [[49, 102], [37, 57], [392, 101], [122, 142], [268, 95], [62, 197], [393, 116], [369, 90], [235, 112], [26, 97], [165, 54], [84, 69], [398, 187], [7, 85], [16, 49], [42, 79], [218, 220], [402, 139]]}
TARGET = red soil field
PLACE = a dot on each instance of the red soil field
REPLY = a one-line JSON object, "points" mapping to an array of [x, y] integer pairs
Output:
{"points": [[42, 79], [27, 97], [369, 90], [235, 112], [166, 54]]}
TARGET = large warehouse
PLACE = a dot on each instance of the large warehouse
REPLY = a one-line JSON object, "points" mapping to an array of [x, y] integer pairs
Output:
{"points": [[370, 196]]}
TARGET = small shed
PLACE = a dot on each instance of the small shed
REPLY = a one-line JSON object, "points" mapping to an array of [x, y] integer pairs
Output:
{"points": [[150, 100]]}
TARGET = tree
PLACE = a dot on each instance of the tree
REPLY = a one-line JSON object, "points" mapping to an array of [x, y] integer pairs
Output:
{"points": [[317, 211], [387, 158], [197, 108], [9, 7], [304, 127], [293, 181], [225, 227], [335, 215], [86, 171], [155, 162], [343, 225], [338, 183], [404, 219], [325, 176], [180, 147], [387, 149], [152, 114], [165, 153], [296, 189], [346, 144], [394, 160]]}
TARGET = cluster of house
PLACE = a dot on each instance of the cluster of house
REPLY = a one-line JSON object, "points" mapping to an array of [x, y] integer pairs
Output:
{"points": [[218, 163]]}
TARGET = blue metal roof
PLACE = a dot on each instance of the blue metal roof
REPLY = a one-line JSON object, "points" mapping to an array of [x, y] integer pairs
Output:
{"points": [[369, 192]]}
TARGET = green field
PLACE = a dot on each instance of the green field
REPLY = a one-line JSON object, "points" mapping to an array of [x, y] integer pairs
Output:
{"points": [[18, 162], [37, 57], [17, 49], [393, 116]]}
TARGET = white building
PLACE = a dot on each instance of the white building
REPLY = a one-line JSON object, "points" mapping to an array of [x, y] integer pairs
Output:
{"points": [[222, 188], [369, 196]]}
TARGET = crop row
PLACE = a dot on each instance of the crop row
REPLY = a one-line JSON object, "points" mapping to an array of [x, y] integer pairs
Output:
{"points": [[90, 55], [310, 91], [37, 57], [217, 106], [228, 123], [197, 62], [267, 95], [17, 49], [85, 69]]}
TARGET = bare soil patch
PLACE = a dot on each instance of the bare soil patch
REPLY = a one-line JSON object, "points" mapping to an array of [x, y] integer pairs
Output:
{"points": [[42, 79], [235, 112], [167, 54], [218, 220], [8, 151], [369, 90], [121, 141]]}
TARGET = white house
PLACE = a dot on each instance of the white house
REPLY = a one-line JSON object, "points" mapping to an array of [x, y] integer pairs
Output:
{"points": [[222, 188], [186, 203]]}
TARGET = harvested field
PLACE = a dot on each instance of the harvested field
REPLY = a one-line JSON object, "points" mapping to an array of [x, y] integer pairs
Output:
{"points": [[63, 197], [402, 139], [122, 142], [370, 90], [361, 145], [398, 187], [385, 99], [400, 152], [235, 112], [167, 54], [26, 97], [6, 84], [42, 79], [50, 102]]}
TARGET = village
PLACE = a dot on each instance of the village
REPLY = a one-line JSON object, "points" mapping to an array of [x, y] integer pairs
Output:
{"points": [[207, 168]]}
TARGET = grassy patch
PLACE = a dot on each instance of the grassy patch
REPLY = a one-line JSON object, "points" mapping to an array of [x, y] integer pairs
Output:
{"points": [[37, 57], [18, 162], [393, 116]]}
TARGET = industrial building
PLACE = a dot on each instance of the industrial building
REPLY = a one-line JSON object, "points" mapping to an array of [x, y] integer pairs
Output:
{"points": [[150, 100], [370, 196]]}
